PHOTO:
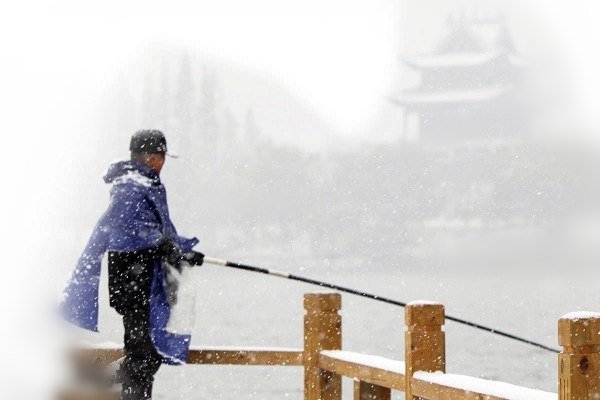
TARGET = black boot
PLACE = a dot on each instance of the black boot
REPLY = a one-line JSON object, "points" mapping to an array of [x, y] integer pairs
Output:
{"points": [[134, 389]]}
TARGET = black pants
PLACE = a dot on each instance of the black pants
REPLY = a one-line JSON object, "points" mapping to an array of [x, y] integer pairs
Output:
{"points": [[130, 279], [141, 359]]}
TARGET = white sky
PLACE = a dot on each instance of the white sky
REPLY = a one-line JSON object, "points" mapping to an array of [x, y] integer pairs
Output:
{"points": [[339, 56], [322, 50]]}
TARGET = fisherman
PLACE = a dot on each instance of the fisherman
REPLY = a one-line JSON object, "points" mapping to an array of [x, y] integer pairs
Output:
{"points": [[143, 246]]}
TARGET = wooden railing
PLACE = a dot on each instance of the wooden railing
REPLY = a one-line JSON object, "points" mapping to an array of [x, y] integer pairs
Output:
{"points": [[422, 374]]}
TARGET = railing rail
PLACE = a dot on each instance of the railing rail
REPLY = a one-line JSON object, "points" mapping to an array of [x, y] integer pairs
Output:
{"points": [[108, 353], [373, 370], [422, 374], [439, 386]]}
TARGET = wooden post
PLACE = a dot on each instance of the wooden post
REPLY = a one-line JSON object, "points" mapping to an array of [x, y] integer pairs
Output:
{"points": [[322, 331], [579, 361], [425, 342], [367, 391]]}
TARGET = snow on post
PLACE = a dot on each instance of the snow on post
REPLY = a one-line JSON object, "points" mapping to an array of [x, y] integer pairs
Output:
{"points": [[425, 341], [579, 361], [322, 331]]}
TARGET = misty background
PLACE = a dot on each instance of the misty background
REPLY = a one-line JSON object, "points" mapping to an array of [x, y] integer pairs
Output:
{"points": [[414, 149]]}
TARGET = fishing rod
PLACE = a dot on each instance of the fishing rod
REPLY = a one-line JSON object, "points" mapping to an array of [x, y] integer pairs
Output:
{"points": [[285, 275]]}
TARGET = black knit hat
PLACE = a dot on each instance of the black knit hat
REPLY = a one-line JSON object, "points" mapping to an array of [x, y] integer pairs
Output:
{"points": [[149, 141]]}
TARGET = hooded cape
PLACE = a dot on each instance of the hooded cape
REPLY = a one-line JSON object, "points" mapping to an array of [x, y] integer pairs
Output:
{"points": [[137, 219]]}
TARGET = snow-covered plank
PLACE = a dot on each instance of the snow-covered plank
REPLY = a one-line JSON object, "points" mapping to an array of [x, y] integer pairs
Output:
{"points": [[452, 60], [84, 344], [100, 354], [440, 386], [366, 368]]}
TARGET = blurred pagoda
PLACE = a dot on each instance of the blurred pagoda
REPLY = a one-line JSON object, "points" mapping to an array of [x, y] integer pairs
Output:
{"points": [[468, 87]]}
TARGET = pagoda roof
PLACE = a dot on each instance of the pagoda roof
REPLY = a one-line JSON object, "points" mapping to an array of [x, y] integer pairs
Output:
{"points": [[417, 97], [446, 60], [476, 34]]}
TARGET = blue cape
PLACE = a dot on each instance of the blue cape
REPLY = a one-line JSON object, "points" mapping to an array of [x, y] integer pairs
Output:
{"points": [[137, 219]]}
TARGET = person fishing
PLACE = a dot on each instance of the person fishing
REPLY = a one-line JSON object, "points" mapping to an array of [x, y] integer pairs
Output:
{"points": [[142, 245]]}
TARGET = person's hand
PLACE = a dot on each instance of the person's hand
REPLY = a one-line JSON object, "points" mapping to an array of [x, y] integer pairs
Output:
{"points": [[194, 258], [169, 251]]}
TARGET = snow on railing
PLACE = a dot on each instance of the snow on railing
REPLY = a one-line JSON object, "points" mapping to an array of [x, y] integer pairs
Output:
{"points": [[441, 382], [365, 360]]}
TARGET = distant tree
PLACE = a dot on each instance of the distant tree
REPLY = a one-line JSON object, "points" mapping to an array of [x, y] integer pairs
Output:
{"points": [[147, 102], [119, 122], [184, 120], [124, 108], [251, 130], [155, 111], [208, 121], [163, 100], [230, 125]]}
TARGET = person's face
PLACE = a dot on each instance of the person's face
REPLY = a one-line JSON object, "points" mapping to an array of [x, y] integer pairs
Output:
{"points": [[156, 162]]}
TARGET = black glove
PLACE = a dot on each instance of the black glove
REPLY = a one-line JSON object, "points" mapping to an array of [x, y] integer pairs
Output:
{"points": [[169, 251], [194, 258]]}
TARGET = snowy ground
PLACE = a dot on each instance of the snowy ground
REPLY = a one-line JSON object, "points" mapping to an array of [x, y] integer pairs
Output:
{"points": [[237, 308]]}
